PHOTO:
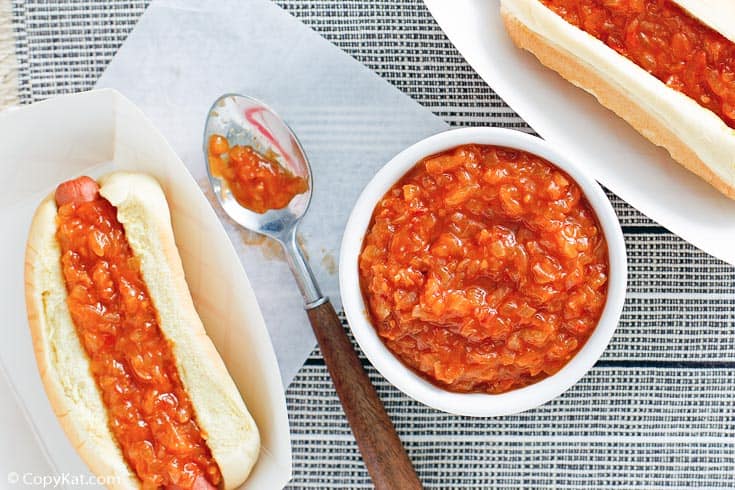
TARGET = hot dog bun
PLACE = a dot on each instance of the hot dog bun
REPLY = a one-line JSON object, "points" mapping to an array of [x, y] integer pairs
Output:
{"points": [[227, 426], [694, 136]]}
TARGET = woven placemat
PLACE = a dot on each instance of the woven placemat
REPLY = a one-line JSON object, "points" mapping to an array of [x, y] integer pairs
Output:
{"points": [[655, 412]]}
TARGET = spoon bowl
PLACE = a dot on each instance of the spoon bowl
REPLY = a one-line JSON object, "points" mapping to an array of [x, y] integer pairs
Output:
{"points": [[246, 121]]}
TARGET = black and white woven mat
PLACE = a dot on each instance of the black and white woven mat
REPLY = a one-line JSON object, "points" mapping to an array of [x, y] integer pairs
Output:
{"points": [[658, 411]]}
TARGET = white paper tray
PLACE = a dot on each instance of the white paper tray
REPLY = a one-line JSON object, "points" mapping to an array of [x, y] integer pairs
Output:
{"points": [[93, 133], [570, 119]]}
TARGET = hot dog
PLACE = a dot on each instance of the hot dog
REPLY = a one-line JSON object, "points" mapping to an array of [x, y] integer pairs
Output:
{"points": [[136, 383], [667, 67]]}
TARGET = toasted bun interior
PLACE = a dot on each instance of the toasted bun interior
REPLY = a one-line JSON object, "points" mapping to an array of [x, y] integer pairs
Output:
{"points": [[226, 424]]}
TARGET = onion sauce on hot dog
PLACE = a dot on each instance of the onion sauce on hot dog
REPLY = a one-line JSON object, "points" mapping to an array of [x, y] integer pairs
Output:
{"points": [[110, 313]]}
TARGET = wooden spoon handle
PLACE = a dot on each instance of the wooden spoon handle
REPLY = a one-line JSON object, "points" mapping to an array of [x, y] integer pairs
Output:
{"points": [[382, 451]]}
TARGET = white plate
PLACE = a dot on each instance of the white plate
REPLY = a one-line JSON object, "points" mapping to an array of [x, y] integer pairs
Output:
{"points": [[93, 133], [576, 125]]}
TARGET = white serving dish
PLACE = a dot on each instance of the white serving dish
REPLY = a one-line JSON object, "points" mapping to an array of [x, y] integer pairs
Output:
{"points": [[575, 124], [477, 404], [93, 133]]}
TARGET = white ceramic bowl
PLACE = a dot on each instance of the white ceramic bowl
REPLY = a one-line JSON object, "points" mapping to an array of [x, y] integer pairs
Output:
{"points": [[478, 404]]}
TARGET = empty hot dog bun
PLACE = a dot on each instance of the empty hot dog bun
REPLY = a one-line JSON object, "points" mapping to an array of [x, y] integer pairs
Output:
{"points": [[224, 422], [695, 136]]}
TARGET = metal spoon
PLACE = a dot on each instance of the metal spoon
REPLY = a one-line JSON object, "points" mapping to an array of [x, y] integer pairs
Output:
{"points": [[246, 121]]}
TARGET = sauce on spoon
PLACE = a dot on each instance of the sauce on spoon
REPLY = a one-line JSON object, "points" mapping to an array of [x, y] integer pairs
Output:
{"points": [[257, 181]]}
